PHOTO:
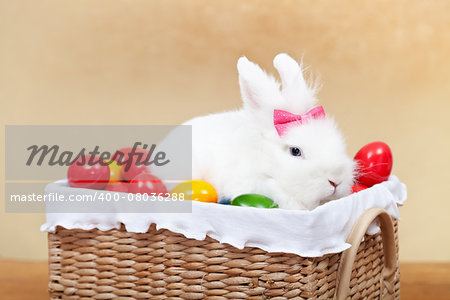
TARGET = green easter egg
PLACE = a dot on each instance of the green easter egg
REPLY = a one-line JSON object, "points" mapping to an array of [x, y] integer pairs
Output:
{"points": [[254, 200]]}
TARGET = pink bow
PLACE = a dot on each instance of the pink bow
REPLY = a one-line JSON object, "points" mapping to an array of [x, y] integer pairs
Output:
{"points": [[283, 120]]}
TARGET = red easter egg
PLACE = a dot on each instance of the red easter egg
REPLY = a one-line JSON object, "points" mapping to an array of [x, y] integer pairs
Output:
{"points": [[133, 171], [137, 166], [374, 163], [146, 183], [84, 173], [358, 187], [121, 187]]}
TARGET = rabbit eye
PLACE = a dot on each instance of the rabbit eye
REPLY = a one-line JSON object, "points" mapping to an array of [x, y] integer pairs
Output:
{"points": [[295, 151]]}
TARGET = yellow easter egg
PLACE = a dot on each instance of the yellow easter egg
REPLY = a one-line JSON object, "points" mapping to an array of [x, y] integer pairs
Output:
{"points": [[114, 168], [197, 190]]}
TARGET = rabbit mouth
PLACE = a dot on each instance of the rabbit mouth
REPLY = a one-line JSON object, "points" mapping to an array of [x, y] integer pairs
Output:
{"points": [[332, 196], [334, 191]]}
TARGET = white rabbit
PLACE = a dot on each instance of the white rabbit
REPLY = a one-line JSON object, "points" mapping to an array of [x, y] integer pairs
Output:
{"points": [[238, 152]]}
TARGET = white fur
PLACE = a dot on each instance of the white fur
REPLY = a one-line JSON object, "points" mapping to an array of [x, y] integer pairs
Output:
{"points": [[240, 151]]}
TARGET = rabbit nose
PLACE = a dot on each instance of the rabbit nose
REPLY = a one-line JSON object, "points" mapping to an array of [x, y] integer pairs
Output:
{"points": [[333, 183]]}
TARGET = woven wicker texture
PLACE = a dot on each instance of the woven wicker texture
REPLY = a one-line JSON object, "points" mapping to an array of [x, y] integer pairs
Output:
{"points": [[117, 264]]}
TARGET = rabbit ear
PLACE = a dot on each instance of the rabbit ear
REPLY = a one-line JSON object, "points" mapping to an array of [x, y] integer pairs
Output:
{"points": [[295, 89], [258, 89]]}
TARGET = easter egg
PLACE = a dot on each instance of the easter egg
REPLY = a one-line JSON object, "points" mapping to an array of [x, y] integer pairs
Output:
{"points": [[121, 187], [374, 163], [136, 166], [88, 173], [197, 190], [358, 187], [132, 171], [254, 200], [146, 183], [114, 169]]}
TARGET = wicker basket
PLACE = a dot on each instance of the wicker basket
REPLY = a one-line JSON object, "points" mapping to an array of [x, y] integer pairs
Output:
{"points": [[117, 264]]}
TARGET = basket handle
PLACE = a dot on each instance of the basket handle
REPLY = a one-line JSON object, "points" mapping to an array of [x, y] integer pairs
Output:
{"points": [[389, 251]]}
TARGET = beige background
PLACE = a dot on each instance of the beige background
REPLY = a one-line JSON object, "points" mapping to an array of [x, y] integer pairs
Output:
{"points": [[385, 69]]}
